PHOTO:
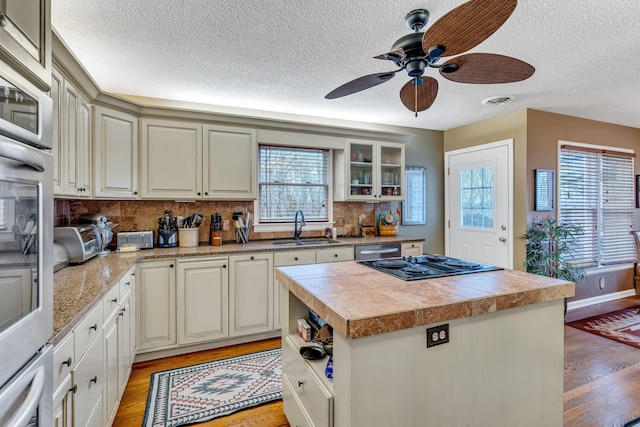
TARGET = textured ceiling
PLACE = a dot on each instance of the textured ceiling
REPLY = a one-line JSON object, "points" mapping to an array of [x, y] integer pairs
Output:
{"points": [[283, 56]]}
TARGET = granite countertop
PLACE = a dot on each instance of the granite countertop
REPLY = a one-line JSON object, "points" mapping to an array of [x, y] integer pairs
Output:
{"points": [[76, 289], [358, 301]]}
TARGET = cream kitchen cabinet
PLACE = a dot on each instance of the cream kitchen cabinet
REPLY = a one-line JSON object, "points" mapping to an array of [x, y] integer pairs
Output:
{"points": [[411, 249], [250, 294], [178, 163], [25, 38], [63, 362], [370, 170], [230, 163], [156, 305], [115, 136], [71, 139], [202, 300]]}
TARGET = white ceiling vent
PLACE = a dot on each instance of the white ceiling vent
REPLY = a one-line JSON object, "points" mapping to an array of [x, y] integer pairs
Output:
{"points": [[498, 100]]}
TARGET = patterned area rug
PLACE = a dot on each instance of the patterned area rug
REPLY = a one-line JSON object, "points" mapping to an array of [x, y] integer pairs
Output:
{"points": [[622, 326], [202, 392]]}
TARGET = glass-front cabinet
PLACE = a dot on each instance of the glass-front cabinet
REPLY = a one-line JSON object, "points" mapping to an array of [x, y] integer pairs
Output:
{"points": [[374, 170]]}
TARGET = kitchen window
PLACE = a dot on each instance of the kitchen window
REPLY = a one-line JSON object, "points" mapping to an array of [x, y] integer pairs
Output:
{"points": [[291, 179], [596, 192]]}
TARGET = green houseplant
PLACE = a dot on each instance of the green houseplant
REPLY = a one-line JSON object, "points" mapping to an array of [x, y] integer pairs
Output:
{"points": [[549, 243]]}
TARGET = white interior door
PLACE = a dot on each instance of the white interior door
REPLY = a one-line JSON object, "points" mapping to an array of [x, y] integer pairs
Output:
{"points": [[479, 204]]}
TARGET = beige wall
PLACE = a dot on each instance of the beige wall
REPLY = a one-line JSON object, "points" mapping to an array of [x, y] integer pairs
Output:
{"points": [[535, 134], [543, 132], [508, 126]]}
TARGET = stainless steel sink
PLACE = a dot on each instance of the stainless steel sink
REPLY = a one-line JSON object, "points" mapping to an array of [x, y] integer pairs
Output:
{"points": [[305, 242]]}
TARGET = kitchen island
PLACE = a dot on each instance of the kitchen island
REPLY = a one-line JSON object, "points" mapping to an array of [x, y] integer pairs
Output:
{"points": [[502, 366]]}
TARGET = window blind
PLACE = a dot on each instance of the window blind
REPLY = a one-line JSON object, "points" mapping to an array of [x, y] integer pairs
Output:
{"points": [[291, 179], [596, 193]]}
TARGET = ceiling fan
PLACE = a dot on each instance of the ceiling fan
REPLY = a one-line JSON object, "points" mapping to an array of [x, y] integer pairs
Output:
{"points": [[458, 31]]}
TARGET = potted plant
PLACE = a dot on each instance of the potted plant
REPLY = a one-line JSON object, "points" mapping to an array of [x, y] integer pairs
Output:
{"points": [[549, 244]]}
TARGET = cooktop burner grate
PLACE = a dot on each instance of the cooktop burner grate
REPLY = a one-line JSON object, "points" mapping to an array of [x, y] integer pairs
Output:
{"points": [[427, 267]]}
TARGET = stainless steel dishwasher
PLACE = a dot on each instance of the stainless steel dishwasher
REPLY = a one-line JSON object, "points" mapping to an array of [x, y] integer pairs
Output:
{"points": [[378, 251]]}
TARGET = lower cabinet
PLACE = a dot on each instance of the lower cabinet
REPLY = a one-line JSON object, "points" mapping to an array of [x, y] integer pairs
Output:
{"points": [[202, 300], [250, 294], [156, 299], [411, 249], [92, 364]]}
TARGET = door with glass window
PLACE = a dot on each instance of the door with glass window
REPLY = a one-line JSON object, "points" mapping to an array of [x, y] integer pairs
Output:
{"points": [[478, 200]]}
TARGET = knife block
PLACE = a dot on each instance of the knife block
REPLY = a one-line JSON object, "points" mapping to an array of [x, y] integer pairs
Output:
{"points": [[215, 238]]}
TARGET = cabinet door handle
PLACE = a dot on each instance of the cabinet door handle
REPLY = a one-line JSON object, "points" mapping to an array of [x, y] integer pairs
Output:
{"points": [[74, 389], [94, 380], [128, 283], [300, 383], [68, 361], [115, 300], [122, 312], [94, 327]]}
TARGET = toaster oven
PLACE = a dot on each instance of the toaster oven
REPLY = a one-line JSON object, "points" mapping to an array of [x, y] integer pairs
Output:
{"points": [[82, 242]]}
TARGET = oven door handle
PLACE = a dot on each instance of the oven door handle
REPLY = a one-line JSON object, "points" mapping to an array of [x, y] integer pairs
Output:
{"points": [[20, 153], [380, 251], [28, 408]]}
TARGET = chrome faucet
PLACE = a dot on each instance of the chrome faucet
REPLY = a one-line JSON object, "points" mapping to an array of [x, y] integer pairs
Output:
{"points": [[297, 231]]}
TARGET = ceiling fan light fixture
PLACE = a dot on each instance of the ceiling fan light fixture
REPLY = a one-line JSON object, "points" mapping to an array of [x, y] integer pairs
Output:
{"points": [[449, 68], [415, 68], [498, 100]]}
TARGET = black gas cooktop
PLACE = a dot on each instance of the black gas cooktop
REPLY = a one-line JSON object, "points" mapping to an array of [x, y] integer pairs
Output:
{"points": [[427, 267]]}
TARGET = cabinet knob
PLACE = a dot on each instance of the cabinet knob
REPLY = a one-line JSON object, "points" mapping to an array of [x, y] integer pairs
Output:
{"points": [[206, 193], [94, 327], [295, 259], [115, 300], [170, 265], [135, 193], [94, 380], [128, 283], [74, 389], [335, 255], [252, 258], [122, 312], [224, 265], [300, 383], [68, 361], [199, 194]]}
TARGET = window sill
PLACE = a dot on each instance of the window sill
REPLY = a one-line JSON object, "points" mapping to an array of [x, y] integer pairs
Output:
{"points": [[608, 268]]}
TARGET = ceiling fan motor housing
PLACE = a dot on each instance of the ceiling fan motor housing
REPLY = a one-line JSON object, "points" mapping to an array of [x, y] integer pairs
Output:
{"points": [[417, 19]]}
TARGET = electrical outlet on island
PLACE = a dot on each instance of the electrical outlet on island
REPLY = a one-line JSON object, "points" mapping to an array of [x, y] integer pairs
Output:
{"points": [[437, 335]]}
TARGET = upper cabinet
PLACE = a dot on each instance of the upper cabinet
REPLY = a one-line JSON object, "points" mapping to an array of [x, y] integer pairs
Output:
{"points": [[25, 38], [71, 139], [370, 170], [115, 136], [230, 167], [177, 163]]}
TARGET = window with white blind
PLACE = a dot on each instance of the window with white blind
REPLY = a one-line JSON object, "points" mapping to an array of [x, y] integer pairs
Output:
{"points": [[290, 179], [596, 192]]}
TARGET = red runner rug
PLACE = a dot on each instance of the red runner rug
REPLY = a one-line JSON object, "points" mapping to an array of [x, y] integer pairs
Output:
{"points": [[622, 326]]}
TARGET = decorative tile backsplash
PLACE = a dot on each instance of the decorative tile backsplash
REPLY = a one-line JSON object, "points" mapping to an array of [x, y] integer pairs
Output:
{"points": [[144, 214]]}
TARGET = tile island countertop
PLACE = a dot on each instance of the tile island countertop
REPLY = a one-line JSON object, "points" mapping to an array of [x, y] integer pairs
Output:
{"points": [[78, 288], [358, 301]]}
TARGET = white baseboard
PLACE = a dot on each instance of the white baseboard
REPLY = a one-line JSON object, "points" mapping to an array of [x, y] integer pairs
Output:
{"points": [[599, 299]]}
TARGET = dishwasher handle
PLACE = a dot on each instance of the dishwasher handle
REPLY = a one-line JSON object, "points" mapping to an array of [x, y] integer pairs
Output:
{"points": [[379, 251]]}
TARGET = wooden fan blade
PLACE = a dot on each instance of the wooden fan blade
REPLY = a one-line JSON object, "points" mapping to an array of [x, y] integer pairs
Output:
{"points": [[468, 25], [488, 68], [419, 98], [394, 55], [361, 83]]}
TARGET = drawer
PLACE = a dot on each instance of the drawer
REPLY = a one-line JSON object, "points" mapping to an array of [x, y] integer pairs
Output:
{"points": [[334, 255], [111, 301], [87, 330], [316, 399], [126, 285], [89, 378], [63, 360], [294, 258], [293, 409]]}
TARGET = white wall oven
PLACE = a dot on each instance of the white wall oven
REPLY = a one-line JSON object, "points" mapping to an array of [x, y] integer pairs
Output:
{"points": [[26, 252]]}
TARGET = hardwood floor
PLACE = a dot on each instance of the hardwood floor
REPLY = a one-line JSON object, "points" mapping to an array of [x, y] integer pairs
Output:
{"points": [[601, 379]]}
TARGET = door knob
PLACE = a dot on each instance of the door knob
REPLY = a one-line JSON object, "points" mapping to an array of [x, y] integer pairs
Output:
{"points": [[503, 227], [502, 239]]}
